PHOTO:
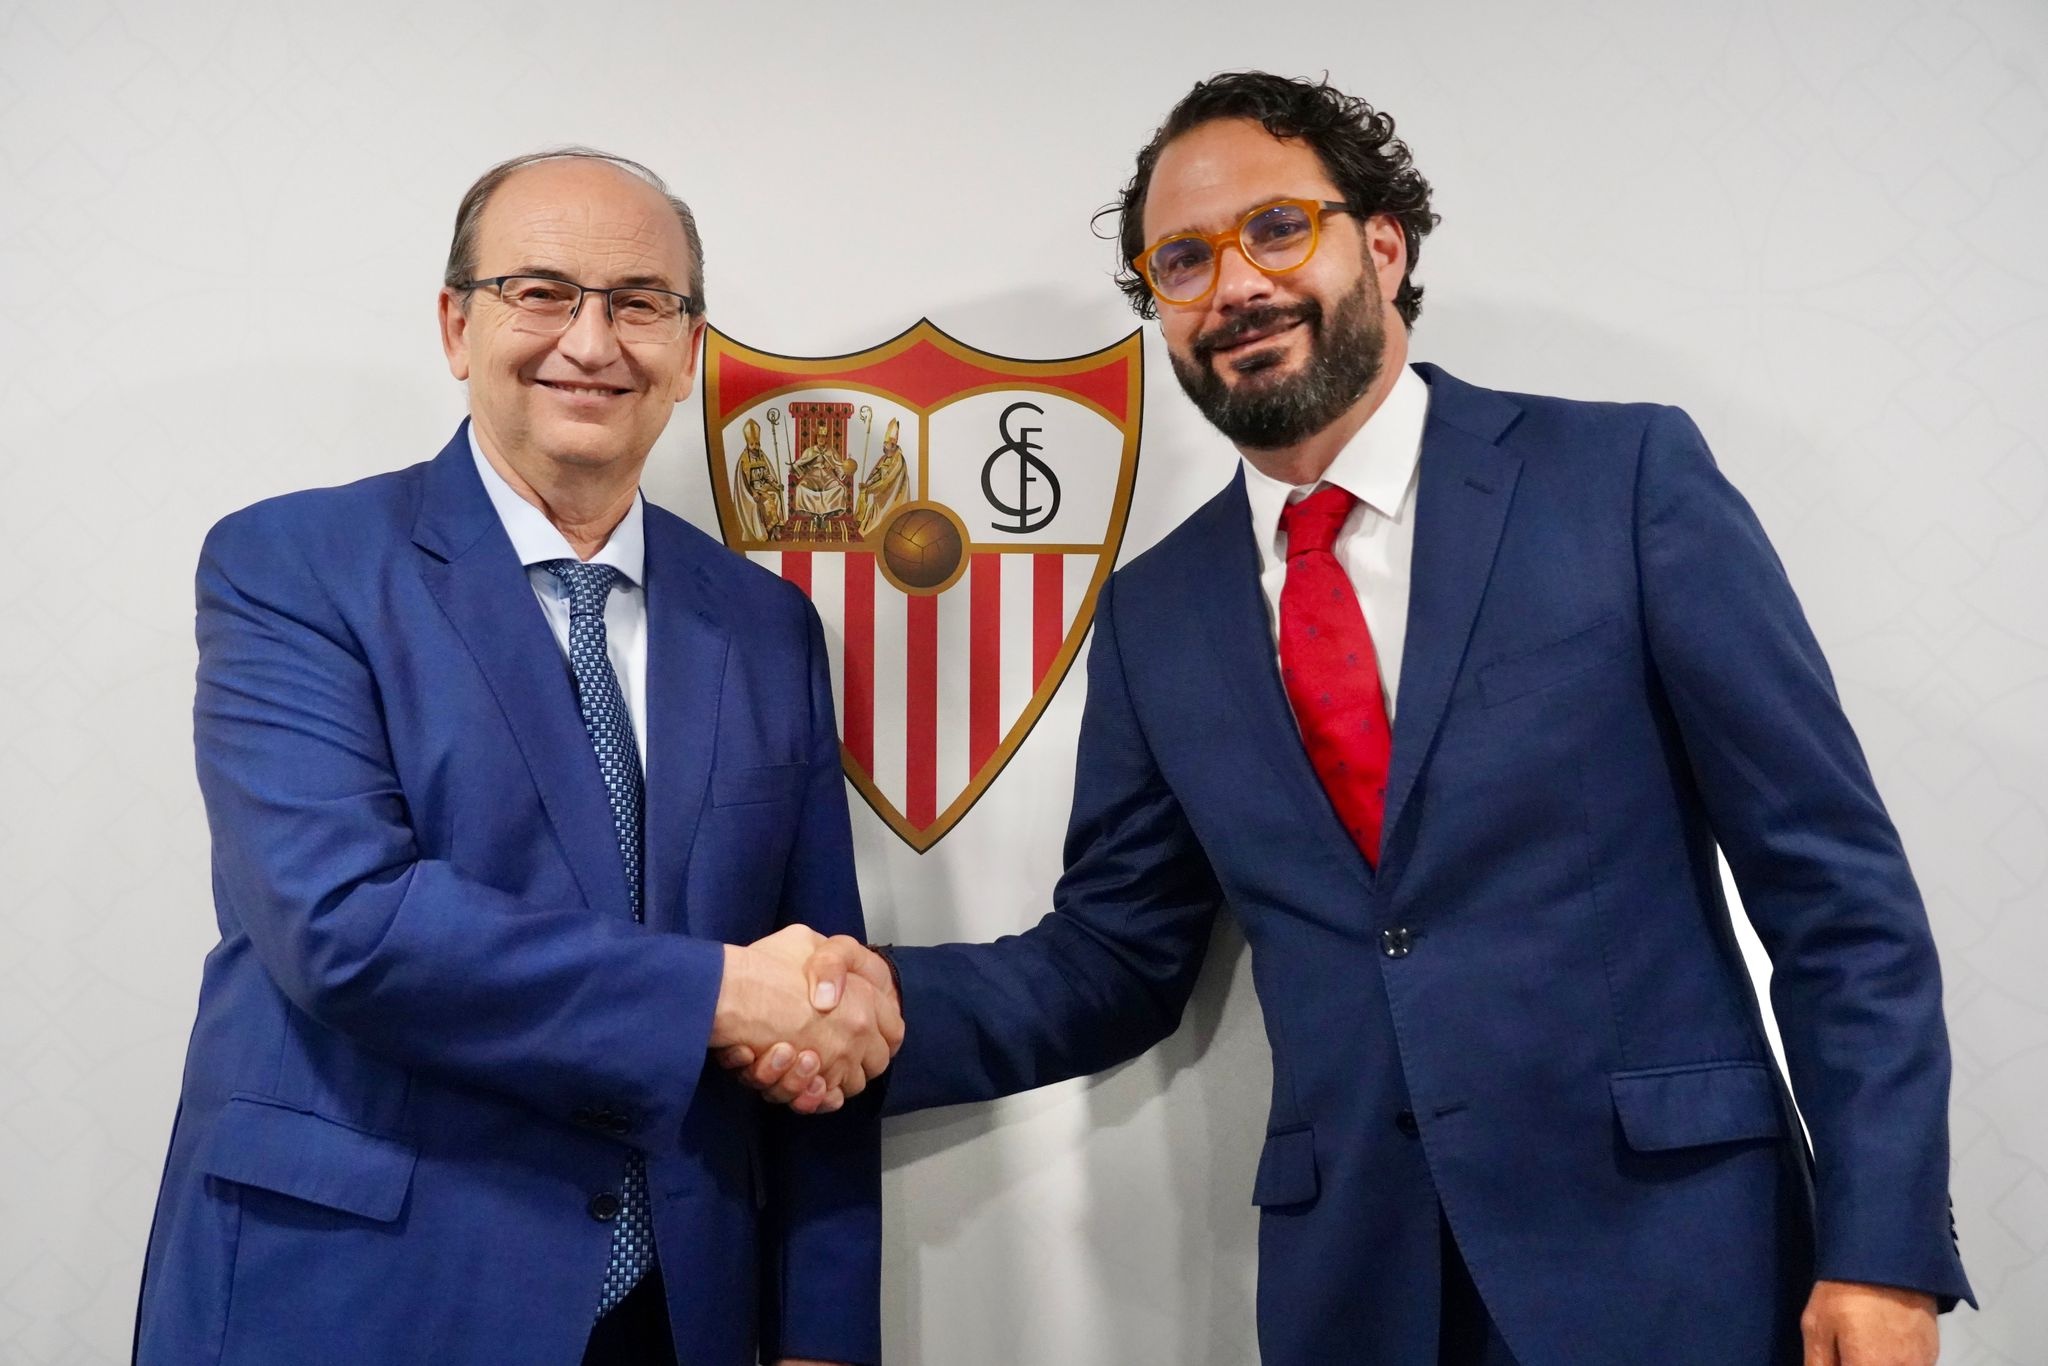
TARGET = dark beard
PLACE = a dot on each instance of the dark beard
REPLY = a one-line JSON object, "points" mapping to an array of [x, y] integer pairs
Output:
{"points": [[1271, 413]]}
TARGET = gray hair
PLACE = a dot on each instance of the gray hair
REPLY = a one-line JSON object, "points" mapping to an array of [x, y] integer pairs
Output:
{"points": [[462, 250]]}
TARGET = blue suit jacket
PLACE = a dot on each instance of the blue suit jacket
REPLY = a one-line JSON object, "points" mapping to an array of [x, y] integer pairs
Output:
{"points": [[431, 1027], [1606, 673]]}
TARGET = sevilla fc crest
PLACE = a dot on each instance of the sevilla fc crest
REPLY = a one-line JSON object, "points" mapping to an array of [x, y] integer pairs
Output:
{"points": [[952, 514]]}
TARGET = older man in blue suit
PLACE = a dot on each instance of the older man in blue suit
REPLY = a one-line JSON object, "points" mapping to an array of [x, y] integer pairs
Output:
{"points": [[503, 765], [1501, 671]]}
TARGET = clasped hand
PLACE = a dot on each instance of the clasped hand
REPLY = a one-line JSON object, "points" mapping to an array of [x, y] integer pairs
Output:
{"points": [[849, 1022], [823, 1041]]}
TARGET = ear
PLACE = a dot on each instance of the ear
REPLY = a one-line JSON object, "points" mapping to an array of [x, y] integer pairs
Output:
{"points": [[454, 332], [1387, 247], [686, 377]]}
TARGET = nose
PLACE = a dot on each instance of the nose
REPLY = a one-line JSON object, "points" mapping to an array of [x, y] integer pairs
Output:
{"points": [[1239, 283], [590, 341]]}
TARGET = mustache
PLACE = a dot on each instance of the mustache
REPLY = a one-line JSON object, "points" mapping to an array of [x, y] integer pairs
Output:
{"points": [[1258, 319]]}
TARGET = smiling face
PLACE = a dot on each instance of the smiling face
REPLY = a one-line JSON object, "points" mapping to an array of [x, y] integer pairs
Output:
{"points": [[578, 399], [1273, 359]]}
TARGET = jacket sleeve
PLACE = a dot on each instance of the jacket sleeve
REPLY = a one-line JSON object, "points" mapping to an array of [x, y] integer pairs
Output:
{"points": [[1107, 973], [823, 1239], [315, 860], [1855, 984]]}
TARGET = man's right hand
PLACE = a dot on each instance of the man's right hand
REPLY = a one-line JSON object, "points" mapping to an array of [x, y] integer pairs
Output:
{"points": [[818, 1055], [841, 973]]}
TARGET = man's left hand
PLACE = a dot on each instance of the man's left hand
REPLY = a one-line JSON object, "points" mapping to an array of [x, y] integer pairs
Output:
{"points": [[1850, 1324]]}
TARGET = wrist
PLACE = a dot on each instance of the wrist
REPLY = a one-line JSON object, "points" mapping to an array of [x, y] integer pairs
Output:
{"points": [[737, 1017]]}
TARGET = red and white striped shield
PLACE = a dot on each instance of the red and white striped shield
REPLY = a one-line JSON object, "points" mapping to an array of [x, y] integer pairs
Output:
{"points": [[952, 514]]}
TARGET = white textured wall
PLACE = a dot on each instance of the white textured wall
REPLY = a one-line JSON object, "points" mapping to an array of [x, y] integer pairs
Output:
{"points": [[1817, 224]]}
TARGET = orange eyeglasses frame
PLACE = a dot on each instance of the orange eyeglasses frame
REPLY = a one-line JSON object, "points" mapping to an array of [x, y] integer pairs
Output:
{"points": [[1234, 237]]}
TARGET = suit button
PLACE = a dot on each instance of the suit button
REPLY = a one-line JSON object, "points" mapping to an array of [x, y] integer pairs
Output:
{"points": [[580, 1115], [1396, 943], [616, 1124], [1405, 1122], [604, 1207]]}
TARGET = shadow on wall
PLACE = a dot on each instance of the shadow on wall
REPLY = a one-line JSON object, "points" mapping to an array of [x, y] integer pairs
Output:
{"points": [[1214, 1128], [1155, 1285]]}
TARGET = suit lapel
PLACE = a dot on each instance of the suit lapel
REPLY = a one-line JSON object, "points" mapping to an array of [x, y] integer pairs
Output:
{"points": [[686, 659], [471, 570], [1463, 490], [1233, 610]]}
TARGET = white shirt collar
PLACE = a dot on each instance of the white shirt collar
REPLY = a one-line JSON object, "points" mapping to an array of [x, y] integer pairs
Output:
{"points": [[535, 539], [1377, 466]]}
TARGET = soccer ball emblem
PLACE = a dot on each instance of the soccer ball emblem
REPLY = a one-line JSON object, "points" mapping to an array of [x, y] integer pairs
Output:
{"points": [[922, 548]]}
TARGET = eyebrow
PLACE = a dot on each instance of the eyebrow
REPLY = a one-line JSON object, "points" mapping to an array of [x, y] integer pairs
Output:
{"points": [[639, 281], [1259, 203]]}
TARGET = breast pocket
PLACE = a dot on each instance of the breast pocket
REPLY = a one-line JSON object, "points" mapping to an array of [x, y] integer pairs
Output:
{"points": [[1530, 670], [763, 783]]}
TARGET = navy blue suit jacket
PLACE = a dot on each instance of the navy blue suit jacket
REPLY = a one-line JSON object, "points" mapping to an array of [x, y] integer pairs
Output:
{"points": [[1534, 1013], [431, 1027]]}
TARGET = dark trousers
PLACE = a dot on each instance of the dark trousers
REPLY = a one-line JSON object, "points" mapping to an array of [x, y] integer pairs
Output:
{"points": [[1467, 1337], [636, 1332]]}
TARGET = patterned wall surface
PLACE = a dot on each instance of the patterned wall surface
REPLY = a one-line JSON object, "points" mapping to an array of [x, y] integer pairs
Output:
{"points": [[1814, 223]]}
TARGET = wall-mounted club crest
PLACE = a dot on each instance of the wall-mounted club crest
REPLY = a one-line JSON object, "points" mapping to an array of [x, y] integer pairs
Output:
{"points": [[952, 514]]}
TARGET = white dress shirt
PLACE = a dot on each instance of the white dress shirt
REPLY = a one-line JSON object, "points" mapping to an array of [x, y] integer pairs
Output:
{"points": [[535, 541], [1377, 541]]}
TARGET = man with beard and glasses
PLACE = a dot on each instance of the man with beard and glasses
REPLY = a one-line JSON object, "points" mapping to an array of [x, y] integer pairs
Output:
{"points": [[1504, 671]]}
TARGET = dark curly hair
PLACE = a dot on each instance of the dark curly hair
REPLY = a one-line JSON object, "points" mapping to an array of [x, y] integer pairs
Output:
{"points": [[1355, 143]]}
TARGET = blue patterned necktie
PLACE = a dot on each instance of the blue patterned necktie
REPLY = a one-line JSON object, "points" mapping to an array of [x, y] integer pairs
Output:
{"points": [[618, 756]]}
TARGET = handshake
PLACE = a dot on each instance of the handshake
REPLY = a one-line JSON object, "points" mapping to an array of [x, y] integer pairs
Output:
{"points": [[808, 1021]]}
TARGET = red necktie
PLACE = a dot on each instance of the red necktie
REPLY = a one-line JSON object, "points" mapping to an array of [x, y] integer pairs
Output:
{"points": [[1330, 671]]}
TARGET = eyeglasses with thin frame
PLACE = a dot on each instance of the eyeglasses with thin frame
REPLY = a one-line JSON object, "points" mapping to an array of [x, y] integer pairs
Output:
{"points": [[1276, 238], [547, 306]]}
